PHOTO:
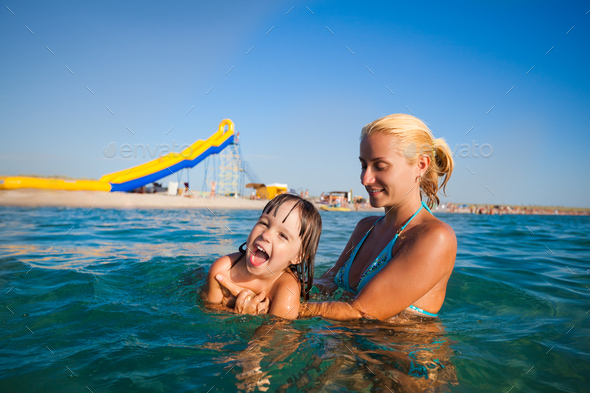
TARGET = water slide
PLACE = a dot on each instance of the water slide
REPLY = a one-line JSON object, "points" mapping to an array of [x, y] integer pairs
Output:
{"points": [[138, 176]]}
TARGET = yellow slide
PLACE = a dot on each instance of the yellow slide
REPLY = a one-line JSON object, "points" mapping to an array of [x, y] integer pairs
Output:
{"points": [[135, 177]]}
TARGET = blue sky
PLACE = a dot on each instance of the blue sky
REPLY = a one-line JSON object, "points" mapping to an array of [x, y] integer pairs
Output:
{"points": [[300, 98]]}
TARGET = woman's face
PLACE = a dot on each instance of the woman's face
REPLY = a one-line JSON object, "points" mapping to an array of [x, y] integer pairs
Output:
{"points": [[386, 174]]}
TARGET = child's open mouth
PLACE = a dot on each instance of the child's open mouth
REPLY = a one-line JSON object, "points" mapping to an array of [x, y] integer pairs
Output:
{"points": [[258, 257]]}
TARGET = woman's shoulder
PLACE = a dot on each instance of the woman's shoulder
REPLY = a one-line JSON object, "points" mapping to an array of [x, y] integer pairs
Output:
{"points": [[436, 231], [367, 222], [363, 226], [438, 226]]}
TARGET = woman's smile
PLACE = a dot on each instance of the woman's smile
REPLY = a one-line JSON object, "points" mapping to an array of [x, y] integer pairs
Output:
{"points": [[375, 191]]}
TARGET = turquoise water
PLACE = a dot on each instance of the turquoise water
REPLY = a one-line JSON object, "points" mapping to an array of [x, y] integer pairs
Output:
{"points": [[107, 301]]}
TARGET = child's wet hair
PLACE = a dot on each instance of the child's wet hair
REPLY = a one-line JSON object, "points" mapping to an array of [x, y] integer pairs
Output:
{"points": [[309, 233]]}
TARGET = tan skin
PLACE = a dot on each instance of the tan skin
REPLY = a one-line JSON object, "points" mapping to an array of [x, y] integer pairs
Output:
{"points": [[423, 256]]}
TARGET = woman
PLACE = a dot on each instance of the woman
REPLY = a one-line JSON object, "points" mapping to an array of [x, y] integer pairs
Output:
{"points": [[400, 262]]}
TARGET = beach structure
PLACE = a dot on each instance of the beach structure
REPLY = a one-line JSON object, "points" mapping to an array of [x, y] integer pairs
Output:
{"points": [[228, 170], [275, 189], [231, 170], [269, 191]]}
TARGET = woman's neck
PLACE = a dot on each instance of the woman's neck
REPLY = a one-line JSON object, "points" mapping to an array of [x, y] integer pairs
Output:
{"points": [[396, 216]]}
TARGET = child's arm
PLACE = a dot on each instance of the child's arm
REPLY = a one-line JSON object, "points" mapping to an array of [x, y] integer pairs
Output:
{"points": [[285, 300], [212, 292]]}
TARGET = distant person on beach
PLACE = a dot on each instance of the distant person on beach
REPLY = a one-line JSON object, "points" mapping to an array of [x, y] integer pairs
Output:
{"points": [[187, 192], [275, 263], [213, 184]]}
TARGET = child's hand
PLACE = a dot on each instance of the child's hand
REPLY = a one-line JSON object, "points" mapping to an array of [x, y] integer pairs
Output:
{"points": [[248, 302], [243, 300]]}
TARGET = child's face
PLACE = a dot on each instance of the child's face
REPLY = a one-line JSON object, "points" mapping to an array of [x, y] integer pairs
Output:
{"points": [[279, 240]]}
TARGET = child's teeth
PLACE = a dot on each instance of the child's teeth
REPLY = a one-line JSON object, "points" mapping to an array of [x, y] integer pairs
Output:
{"points": [[259, 257]]}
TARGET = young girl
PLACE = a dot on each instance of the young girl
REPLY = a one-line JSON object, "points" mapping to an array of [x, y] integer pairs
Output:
{"points": [[276, 262]]}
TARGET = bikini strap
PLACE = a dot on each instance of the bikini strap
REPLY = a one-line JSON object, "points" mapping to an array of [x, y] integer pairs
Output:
{"points": [[384, 256], [344, 271], [399, 231], [426, 206]]}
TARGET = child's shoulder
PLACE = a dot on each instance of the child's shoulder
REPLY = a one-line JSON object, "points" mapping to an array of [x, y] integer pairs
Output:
{"points": [[286, 283], [223, 264], [285, 298], [212, 291]]}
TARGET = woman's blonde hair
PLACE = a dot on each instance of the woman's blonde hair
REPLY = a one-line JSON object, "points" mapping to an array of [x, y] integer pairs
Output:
{"points": [[417, 140]]}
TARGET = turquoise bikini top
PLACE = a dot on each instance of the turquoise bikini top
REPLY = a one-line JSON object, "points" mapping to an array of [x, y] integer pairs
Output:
{"points": [[342, 277]]}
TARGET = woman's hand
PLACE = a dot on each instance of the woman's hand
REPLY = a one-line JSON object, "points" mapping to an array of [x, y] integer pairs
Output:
{"points": [[243, 300], [325, 285]]}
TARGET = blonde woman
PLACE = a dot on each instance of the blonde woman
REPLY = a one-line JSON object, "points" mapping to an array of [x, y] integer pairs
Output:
{"points": [[398, 263]]}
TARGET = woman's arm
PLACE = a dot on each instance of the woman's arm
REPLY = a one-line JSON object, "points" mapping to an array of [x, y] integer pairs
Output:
{"points": [[338, 311], [423, 261]]}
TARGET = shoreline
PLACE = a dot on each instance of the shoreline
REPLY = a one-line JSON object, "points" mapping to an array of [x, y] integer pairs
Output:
{"points": [[487, 209], [28, 197], [98, 199]]}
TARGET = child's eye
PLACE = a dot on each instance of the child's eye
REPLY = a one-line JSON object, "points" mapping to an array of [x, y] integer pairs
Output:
{"points": [[262, 223], [284, 236]]}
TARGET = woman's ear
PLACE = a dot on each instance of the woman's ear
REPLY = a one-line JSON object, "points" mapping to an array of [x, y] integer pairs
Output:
{"points": [[423, 163]]}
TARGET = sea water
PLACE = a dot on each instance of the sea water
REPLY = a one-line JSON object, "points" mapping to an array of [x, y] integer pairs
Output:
{"points": [[108, 301]]}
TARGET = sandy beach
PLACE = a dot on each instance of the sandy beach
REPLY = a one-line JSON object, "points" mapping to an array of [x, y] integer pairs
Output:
{"points": [[97, 199]]}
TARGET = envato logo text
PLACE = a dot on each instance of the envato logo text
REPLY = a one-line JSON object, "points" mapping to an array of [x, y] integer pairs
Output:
{"points": [[127, 151], [465, 150]]}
